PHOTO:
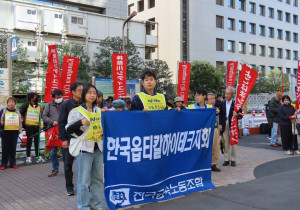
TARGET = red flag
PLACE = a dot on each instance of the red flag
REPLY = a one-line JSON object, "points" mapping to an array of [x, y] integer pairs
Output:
{"points": [[231, 73], [52, 75], [246, 82], [298, 87], [53, 140], [282, 82], [68, 75], [119, 65], [183, 86]]}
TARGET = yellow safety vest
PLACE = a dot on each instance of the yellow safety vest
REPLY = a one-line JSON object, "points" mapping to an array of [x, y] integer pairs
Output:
{"points": [[152, 103], [33, 115], [95, 133], [12, 121], [192, 106]]}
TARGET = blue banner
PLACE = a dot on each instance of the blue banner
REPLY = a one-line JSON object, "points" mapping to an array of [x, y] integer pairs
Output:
{"points": [[156, 155], [14, 47]]}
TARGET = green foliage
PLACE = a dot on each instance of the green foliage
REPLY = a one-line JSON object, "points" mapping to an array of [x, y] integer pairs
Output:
{"points": [[205, 76], [163, 76], [102, 63]]}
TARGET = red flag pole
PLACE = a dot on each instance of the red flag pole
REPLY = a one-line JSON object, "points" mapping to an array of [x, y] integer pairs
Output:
{"points": [[282, 82]]}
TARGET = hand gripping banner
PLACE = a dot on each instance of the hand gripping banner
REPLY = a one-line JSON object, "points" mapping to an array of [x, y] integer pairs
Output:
{"points": [[147, 160], [231, 73], [246, 82], [52, 75], [119, 65], [183, 86]]}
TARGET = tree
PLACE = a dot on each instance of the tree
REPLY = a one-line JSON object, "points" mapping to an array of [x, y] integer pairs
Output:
{"points": [[205, 76], [102, 63], [163, 75], [78, 51], [22, 69], [274, 81]]}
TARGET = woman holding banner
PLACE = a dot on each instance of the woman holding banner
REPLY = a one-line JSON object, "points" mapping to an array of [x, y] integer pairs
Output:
{"points": [[84, 122]]}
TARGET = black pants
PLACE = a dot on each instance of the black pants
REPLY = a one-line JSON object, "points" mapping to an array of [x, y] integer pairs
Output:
{"points": [[9, 144], [289, 141], [30, 131], [68, 163]]}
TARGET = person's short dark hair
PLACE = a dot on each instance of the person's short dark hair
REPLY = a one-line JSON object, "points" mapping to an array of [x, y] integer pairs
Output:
{"points": [[85, 90], [201, 92], [219, 95], [31, 95], [75, 85], [99, 93], [286, 97], [110, 98], [11, 99], [148, 74], [127, 100], [56, 92], [169, 98]]}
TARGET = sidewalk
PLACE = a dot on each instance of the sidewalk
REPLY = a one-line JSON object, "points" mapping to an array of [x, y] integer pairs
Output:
{"points": [[28, 187]]}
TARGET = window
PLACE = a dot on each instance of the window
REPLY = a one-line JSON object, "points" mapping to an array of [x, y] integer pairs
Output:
{"points": [[288, 36], [262, 9], [288, 1], [242, 5], [288, 54], [242, 26], [31, 43], [295, 37], [271, 12], [141, 6], [270, 68], [295, 3], [220, 44], [261, 30], [220, 2], [231, 3], [58, 16], [271, 32], [152, 26], [242, 48], [230, 24], [130, 8], [287, 70], [295, 72], [279, 53], [271, 52], [279, 15], [252, 49], [231, 46], [295, 55], [77, 20], [151, 4], [252, 7], [219, 64], [252, 29], [295, 19], [219, 21], [31, 12], [262, 50], [287, 17], [263, 69], [279, 34]]}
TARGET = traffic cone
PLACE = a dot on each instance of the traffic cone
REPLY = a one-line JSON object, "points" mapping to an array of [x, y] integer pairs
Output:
{"points": [[263, 112], [253, 113], [23, 139]]}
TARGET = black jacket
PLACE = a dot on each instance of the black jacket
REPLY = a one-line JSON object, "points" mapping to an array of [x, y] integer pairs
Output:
{"points": [[273, 109], [64, 111], [284, 112], [223, 117]]}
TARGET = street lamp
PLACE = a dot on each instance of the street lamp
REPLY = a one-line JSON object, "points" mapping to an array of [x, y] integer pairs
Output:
{"points": [[127, 20]]}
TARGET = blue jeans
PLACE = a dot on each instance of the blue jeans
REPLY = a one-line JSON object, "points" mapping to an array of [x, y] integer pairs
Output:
{"points": [[54, 158], [274, 139], [90, 187]]}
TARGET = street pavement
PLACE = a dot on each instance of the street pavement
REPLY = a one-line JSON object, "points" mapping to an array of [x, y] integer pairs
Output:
{"points": [[263, 179]]}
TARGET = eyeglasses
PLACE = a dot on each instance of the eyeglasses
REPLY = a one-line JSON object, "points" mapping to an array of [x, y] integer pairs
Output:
{"points": [[78, 90]]}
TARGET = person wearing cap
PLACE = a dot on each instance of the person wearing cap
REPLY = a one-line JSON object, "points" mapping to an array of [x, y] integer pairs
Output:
{"points": [[178, 101], [118, 105], [169, 100], [100, 102], [274, 105]]}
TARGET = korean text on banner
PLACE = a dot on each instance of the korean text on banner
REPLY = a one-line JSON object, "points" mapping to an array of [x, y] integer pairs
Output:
{"points": [[246, 82], [183, 87], [146, 160], [68, 75], [298, 87], [119, 65], [231, 73], [52, 75]]}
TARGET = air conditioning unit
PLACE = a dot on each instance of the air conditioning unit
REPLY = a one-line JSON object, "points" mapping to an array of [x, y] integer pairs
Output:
{"points": [[25, 18], [77, 25], [52, 21]]}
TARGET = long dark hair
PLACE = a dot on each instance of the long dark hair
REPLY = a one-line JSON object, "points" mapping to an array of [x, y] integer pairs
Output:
{"points": [[85, 90]]}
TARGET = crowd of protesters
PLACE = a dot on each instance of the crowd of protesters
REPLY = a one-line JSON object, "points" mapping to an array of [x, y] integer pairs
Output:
{"points": [[77, 131]]}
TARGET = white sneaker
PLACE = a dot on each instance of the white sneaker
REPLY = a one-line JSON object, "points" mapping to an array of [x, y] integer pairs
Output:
{"points": [[296, 152], [40, 160], [28, 160], [287, 152]]}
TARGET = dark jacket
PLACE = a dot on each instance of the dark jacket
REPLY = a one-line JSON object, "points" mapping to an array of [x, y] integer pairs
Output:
{"points": [[284, 114], [223, 117], [23, 111], [105, 104], [50, 113], [64, 110], [273, 109]]}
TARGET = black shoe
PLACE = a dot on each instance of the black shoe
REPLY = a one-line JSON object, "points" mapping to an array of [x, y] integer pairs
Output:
{"points": [[70, 192], [226, 163], [215, 168], [233, 163]]}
